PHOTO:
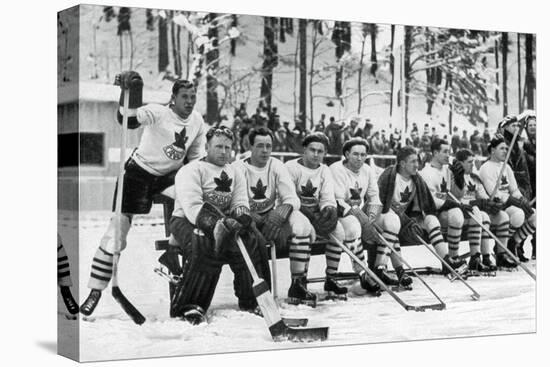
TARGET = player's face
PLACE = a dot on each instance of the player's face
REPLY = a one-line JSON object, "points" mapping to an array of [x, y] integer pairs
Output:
{"points": [[468, 165], [261, 150], [499, 152], [218, 150], [532, 126], [314, 154], [442, 156], [356, 156], [513, 127], [184, 102], [410, 165]]}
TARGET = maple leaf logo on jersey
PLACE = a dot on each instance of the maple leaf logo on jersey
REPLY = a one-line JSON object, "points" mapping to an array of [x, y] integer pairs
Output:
{"points": [[223, 183], [259, 190], [176, 150], [503, 181], [443, 186], [471, 187], [308, 190], [355, 192], [405, 195]]}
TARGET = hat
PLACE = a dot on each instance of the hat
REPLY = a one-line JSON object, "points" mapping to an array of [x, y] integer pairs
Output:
{"points": [[507, 121]]}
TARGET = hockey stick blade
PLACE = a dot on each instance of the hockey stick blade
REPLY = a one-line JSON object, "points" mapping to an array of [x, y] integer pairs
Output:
{"points": [[307, 335], [127, 306]]}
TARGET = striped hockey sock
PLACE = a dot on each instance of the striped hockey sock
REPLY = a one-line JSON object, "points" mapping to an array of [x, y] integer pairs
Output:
{"points": [[63, 270], [486, 240], [436, 239], [502, 231], [299, 253], [333, 253], [453, 238], [102, 270], [525, 230], [358, 251], [473, 233]]}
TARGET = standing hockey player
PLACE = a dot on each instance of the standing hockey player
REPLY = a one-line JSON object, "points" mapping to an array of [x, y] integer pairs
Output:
{"points": [[529, 119], [171, 134], [469, 190], [439, 177], [522, 215], [356, 191], [274, 205], [64, 280], [211, 208], [408, 209], [315, 188]]}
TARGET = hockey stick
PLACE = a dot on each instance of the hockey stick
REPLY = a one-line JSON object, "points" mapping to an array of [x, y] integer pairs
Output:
{"points": [[498, 242], [377, 230], [495, 189], [117, 294], [533, 201], [277, 328], [383, 285]]}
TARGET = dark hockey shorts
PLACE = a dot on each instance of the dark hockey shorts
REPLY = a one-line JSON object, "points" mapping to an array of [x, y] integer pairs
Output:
{"points": [[139, 187]]}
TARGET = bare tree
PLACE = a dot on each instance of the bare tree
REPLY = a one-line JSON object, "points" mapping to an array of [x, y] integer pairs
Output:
{"points": [[529, 71], [270, 59], [504, 46], [302, 34], [212, 61], [163, 60]]}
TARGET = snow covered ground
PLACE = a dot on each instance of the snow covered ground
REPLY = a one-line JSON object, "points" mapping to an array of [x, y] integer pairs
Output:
{"points": [[507, 305]]}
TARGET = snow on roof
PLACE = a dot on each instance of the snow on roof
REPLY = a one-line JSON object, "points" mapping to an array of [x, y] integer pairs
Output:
{"points": [[96, 92]]}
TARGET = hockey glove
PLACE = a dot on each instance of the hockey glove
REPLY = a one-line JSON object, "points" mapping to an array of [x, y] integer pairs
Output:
{"points": [[130, 81], [368, 232], [489, 206], [410, 228], [458, 173], [225, 230], [327, 221], [274, 221], [521, 203], [449, 204]]}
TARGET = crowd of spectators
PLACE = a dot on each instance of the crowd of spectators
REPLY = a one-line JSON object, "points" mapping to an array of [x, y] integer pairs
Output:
{"points": [[381, 142]]}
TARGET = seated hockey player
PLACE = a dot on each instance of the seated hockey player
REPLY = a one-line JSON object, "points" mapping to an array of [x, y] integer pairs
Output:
{"points": [[210, 209], [274, 205], [439, 179], [171, 134], [315, 188], [521, 213], [64, 280], [529, 120], [359, 205], [408, 209], [469, 190]]}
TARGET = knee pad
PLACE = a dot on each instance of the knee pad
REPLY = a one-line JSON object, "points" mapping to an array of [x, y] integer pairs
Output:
{"points": [[351, 227], [390, 222], [455, 218], [108, 242], [430, 222], [533, 219], [300, 225], [499, 218], [339, 232], [517, 217]]}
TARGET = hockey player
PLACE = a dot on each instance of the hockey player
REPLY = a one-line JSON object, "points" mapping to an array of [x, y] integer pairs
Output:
{"points": [[210, 209], [529, 120], [469, 190], [274, 205], [356, 192], [171, 134], [439, 178], [408, 209], [64, 278], [522, 215], [315, 188]]}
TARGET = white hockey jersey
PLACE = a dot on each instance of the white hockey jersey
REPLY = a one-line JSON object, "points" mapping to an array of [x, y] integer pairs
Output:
{"points": [[167, 139], [438, 181], [268, 186], [199, 182], [403, 193], [354, 189], [315, 187], [488, 173]]}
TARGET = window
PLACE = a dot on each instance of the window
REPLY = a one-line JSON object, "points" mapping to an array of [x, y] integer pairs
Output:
{"points": [[89, 145]]}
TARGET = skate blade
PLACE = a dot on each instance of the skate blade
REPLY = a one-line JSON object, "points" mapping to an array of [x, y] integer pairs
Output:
{"points": [[488, 273], [305, 335], [88, 318], [298, 301], [401, 288], [331, 296], [502, 268]]}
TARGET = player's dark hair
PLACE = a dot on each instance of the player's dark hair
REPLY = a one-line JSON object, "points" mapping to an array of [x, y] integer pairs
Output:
{"points": [[404, 153], [437, 143], [353, 142], [317, 137], [464, 154], [181, 84], [495, 142], [262, 131]]}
